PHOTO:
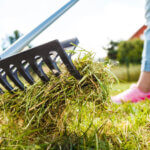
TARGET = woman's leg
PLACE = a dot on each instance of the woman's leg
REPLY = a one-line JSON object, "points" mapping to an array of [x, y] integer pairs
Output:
{"points": [[144, 80], [141, 91]]}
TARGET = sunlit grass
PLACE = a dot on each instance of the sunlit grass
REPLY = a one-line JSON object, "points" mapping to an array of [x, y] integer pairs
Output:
{"points": [[43, 115], [121, 72], [120, 87], [67, 114]]}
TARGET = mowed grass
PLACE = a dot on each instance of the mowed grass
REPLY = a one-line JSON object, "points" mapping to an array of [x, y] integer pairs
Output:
{"points": [[132, 120], [129, 75], [66, 114], [120, 87]]}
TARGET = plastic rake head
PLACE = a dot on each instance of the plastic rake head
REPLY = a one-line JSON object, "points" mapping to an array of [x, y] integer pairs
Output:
{"points": [[34, 58]]}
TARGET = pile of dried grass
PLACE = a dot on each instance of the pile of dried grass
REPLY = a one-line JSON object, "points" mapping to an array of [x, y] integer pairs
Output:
{"points": [[40, 114]]}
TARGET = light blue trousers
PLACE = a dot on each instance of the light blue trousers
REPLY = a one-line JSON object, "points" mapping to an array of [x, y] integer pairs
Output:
{"points": [[146, 51]]}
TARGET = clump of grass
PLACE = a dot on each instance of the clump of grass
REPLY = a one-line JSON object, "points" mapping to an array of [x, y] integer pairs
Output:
{"points": [[58, 114]]}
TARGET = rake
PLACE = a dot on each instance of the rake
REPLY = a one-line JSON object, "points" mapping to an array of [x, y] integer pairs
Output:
{"points": [[14, 62]]}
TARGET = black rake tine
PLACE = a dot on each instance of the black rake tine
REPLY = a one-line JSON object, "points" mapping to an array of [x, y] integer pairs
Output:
{"points": [[71, 68], [5, 83], [68, 63], [25, 74], [14, 77], [37, 68], [52, 65]]}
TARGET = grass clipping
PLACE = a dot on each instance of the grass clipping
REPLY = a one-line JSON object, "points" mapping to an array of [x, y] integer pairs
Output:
{"points": [[42, 114]]}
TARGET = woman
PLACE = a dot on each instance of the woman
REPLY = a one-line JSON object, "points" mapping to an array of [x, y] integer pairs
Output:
{"points": [[141, 90]]}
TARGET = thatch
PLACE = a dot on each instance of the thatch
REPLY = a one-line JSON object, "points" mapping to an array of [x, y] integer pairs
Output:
{"points": [[43, 113]]}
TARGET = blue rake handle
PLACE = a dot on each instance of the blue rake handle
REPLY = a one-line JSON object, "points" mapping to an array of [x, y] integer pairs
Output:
{"points": [[25, 40]]}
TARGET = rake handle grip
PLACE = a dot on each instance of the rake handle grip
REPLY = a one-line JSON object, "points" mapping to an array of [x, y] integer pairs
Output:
{"points": [[25, 40]]}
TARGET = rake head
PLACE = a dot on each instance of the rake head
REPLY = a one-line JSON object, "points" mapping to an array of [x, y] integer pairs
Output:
{"points": [[22, 62]]}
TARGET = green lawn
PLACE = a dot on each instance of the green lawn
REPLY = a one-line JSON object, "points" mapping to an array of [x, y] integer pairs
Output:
{"points": [[125, 127], [131, 121], [109, 126], [121, 72], [67, 114], [120, 87]]}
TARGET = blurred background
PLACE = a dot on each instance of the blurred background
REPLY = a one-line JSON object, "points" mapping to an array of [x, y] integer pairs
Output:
{"points": [[113, 30]]}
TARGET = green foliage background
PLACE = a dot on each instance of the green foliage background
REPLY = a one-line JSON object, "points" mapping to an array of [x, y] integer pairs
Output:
{"points": [[112, 49], [130, 51]]}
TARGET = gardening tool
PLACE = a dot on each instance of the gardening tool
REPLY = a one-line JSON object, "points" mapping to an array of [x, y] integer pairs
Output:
{"points": [[14, 62]]}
